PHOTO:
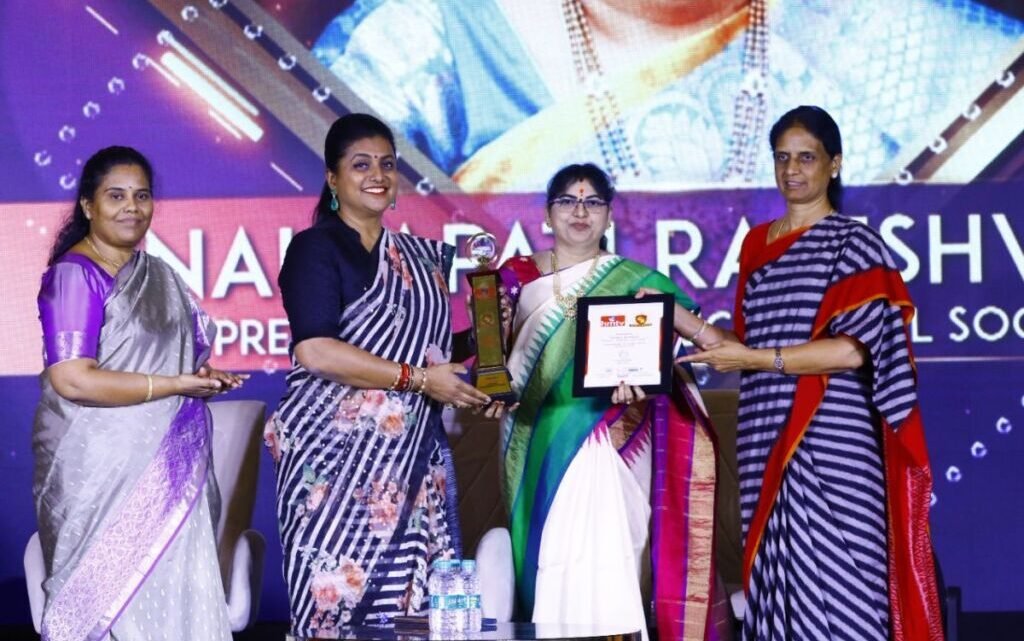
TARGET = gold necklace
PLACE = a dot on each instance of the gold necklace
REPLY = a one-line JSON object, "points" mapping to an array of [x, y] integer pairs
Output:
{"points": [[117, 266], [568, 301], [779, 222]]}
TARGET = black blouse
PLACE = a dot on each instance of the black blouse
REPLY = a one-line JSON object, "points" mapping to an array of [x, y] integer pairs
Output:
{"points": [[326, 268]]}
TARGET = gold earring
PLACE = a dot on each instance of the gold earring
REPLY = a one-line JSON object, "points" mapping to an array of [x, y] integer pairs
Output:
{"points": [[546, 225]]}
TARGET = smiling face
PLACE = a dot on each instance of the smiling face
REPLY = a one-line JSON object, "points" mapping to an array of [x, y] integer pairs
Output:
{"points": [[579, 216], [803, 168], [121, 209], [366, 178]]}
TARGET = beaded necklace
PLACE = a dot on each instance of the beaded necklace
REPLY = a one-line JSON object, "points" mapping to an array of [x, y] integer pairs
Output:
{"points": [[749, 109]]}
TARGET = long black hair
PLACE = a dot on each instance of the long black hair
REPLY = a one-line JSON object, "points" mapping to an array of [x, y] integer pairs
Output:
{"points": [[345, 131], [76, 225], [588, 171], [820, 125]]}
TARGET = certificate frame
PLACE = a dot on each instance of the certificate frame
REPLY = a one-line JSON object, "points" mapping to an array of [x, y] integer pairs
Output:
{"points": [[622, 306]]}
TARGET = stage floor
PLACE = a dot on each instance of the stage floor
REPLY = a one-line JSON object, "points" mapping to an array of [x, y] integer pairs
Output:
{"points": [[974, 626]]}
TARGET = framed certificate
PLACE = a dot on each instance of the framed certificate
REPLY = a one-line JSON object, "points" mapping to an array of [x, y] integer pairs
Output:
{"points": [[621, 338]]}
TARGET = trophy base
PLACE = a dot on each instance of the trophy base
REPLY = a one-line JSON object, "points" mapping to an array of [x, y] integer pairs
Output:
{"points": [[496, 382]]}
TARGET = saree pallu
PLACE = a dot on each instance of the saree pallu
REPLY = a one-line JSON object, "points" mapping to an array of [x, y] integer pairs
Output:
{"points": [[834, 474], [125, 496], [365, 487], [577, 470]]}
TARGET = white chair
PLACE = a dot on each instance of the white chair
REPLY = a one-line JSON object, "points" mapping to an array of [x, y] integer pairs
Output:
{"points": [[237, 430], [497, 574]]}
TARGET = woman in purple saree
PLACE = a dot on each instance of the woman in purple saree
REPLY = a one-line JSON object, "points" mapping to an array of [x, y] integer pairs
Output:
{"points": [[124, 490]]}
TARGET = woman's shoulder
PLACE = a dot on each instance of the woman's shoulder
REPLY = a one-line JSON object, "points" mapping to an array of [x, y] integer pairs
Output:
{"points": [[853, 229], [524, 267], [76, 270], [860, 239], [315, 243], [413, 241]]}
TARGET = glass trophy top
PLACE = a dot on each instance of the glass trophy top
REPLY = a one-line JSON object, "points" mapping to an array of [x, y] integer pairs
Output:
{"points": [[482, 248]]}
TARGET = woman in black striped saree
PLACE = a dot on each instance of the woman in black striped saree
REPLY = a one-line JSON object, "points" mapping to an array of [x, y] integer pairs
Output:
{"points": [[365, 489], [834, 474]]}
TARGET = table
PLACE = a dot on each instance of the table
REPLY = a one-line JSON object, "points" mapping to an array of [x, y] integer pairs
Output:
{"points": [[504, 632]]}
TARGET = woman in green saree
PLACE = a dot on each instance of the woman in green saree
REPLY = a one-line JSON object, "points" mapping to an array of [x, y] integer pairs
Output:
{"points": [[600, 493]]}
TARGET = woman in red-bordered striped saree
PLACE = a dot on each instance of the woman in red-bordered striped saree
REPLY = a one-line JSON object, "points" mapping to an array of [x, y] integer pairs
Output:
{"points": [[611, 504], [834, 475]]}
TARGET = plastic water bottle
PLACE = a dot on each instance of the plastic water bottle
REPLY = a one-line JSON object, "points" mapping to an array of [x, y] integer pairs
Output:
{"points": [[436, 589], [471, 581], [453, 618]]}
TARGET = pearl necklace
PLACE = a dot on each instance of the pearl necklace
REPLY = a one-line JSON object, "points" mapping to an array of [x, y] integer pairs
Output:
{"points": [[749, 109], [568, 301], [96, 250]]}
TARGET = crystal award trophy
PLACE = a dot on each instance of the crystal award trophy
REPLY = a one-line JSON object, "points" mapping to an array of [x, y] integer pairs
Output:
{"points": [[490, 375]]}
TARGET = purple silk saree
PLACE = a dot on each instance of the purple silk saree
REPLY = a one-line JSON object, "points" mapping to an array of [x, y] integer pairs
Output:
{"points": [[125, 496]]}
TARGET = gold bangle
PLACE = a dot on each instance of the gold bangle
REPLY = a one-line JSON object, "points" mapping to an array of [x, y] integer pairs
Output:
{"points": [[423, 380], [149, 389]]}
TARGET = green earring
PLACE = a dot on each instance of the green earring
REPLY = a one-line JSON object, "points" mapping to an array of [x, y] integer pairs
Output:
{"points": [[334, 200]]}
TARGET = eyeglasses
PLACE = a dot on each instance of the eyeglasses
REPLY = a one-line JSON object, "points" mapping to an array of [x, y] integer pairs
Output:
{"points": [[568, 204]]}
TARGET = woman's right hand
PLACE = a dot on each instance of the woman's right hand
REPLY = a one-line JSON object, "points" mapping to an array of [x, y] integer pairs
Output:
{"points": [[444, 385], [198, 386]]}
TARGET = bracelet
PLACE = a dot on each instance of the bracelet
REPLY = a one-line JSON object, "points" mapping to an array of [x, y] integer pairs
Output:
{"points": [[403, 378], [423, 380], [149, 389], [398, 377], [703, 326]]}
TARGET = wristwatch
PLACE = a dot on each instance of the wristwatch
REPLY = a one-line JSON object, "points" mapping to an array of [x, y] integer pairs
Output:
{"points": [[780, 365]]}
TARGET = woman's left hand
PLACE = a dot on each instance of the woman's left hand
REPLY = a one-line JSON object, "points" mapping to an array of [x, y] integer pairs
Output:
{"points": [[726, 356], [497, 409], [627, 394], [228, 380]]}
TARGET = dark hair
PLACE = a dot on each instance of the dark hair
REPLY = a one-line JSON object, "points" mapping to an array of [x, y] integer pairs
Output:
{"points": [[820, 125], [76, 225], [589, 172], [345, 131]]}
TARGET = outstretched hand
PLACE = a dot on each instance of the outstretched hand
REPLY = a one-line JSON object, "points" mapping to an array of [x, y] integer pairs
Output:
{"points": [[228, 380], [727, 356], [445, 385]]}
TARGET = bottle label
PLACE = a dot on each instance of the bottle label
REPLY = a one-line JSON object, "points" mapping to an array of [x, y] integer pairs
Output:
{"points": [[449, 602], [456, 602]]}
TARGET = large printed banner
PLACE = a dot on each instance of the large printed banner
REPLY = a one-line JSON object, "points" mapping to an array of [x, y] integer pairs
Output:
{"points": [[960, 250], [231, 100]]}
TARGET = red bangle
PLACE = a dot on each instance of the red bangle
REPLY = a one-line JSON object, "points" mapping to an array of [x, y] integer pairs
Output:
{"points": [[403, 378]]}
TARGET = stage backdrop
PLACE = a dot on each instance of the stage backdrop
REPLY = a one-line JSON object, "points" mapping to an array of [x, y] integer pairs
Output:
{"points": [[231, 99]]}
